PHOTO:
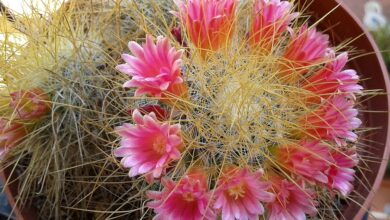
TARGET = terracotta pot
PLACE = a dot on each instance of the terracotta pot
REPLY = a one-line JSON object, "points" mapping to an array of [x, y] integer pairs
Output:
{"points": [[343, 26], [11, 191]]}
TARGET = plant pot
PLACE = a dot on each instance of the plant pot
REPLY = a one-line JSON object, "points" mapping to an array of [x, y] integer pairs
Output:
{"points": [[341, 25], [11, 191]]}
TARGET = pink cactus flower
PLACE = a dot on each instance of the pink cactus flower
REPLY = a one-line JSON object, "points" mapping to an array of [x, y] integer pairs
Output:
{"points": [[11, 134], [154, 68], [332, 78], [239, 193], [176, 33], [310, 159], [148, 146], [334, 120], [209, 23], [271, 19], [307, 48], [161, 113], [187, 199], [341, 172], [31, 104], [292, 201]]}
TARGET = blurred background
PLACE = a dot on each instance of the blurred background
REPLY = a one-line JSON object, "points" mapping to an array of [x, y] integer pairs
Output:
{"points": [[374, 14]]}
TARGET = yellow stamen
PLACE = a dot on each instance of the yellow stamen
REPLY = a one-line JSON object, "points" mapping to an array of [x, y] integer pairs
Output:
{"points": [[159, 145], [237, 191], [189, 197]]}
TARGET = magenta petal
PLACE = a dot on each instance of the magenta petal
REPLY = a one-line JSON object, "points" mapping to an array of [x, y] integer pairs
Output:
{"points": [[157, 172], [146, 167], [125, 68], [174, 140], [137, 117], [130, 161], [133, 172], [143, 91], [122, 152], [131, 83], [174, 129], [164, 86], [136, 49], [175, 154]]}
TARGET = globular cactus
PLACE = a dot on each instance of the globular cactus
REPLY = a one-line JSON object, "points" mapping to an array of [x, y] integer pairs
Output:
{"points": [[218, 109]]}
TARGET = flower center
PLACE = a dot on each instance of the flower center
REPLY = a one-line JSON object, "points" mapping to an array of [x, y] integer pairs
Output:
{"points": [[189, 197], [160, 144], [237, 191]]}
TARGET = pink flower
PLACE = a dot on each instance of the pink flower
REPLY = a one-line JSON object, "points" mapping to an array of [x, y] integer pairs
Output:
{"points": [[305, 49], [148, 146], [271, 19], [341, 172], [292, 202], [187, 199], [239, 193], [161, 114], [176, 33], [155, 68], [31, 104], [11, 134], [209, 23], [332, 78], [334, 120], [309, 159]]}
